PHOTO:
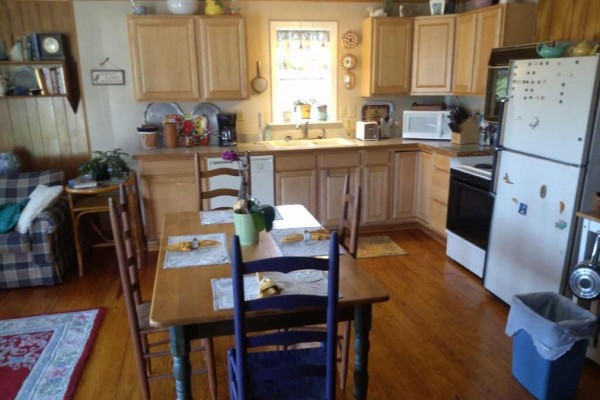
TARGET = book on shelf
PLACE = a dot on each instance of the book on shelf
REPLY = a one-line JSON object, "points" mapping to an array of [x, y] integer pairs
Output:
{"points": [[82, 182]]}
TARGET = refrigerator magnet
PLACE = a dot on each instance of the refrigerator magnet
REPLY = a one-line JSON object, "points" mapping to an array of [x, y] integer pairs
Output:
{"points": [[522, 208], [560, 224], [543, 191], [561, 207], [507, 179], [515, 200]]}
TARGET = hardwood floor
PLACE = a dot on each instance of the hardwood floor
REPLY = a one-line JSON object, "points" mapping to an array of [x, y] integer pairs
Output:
{"points": [[441, 335]]}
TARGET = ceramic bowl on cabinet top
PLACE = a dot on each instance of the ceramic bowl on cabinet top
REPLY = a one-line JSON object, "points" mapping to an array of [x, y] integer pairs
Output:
{"points": [[183, 7]]}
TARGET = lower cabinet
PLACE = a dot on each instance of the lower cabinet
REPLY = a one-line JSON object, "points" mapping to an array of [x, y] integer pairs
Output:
{"points": [[166, 186], [375, 182], [296, 181], [406, 169], [423, 186], [333, 168], [440, 187]]}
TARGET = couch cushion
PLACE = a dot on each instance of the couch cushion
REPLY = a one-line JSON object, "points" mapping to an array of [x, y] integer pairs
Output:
{"points": [[14, 242], [42, 197], [15, 187]]}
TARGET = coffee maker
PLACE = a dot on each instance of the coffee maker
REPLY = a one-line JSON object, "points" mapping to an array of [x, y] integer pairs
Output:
{"points": [[227, 134]]}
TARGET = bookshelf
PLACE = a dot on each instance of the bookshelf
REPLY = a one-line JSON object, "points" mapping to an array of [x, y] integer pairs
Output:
{"points": [[42, 79]]}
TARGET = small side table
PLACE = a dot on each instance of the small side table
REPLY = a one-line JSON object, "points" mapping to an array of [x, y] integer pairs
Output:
{"points": [[95, 201]]}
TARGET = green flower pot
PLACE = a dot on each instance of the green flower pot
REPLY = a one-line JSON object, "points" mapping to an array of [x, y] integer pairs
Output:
{"points": [[245, 229]]}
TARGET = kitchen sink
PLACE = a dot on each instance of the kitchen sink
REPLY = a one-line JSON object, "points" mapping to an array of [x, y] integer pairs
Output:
{"points": [[311, 143]]}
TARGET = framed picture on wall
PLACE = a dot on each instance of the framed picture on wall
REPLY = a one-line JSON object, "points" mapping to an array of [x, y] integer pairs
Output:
{"points": [[108, 77]]}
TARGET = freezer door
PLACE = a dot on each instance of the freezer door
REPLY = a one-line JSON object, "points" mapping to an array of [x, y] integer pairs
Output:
{"points": [[549, 107], [531, 225]]}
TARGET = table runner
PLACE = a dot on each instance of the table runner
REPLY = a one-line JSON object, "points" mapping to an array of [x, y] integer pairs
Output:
{"points": [[306, 248], [298, 282], [210, 255]]}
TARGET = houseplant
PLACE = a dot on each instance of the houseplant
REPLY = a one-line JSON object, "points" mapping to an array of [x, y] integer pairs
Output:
{"points": [[249, 215], [107, 164]]}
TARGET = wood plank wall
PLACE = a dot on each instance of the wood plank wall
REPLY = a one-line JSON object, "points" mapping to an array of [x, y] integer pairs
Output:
{"points": [[568, 20], [44, 132]]}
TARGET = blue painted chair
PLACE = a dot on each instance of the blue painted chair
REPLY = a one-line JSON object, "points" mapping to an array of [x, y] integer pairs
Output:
{"points": [[271, 373]]}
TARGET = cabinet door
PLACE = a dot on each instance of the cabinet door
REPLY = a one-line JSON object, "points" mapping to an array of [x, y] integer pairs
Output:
{"points": [[405, 168], [387, 47], [331, 186], [424, 176], [223, 57], [433, 51], [297, 187], [464, 53], [163, 54], [489, 33]]}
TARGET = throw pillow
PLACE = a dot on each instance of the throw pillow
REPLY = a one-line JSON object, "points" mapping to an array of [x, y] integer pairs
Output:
{"points": [[41, 197], [9, 215]]}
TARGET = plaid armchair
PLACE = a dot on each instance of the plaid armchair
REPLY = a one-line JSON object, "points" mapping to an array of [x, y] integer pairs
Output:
{"points": [[40, 256]]}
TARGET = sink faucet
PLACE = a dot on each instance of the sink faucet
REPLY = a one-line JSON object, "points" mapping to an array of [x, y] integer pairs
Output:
{"points": [[303, 129]]}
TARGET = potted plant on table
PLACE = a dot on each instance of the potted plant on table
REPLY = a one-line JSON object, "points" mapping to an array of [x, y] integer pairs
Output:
{"points": [[106, 165], [249, 215]]}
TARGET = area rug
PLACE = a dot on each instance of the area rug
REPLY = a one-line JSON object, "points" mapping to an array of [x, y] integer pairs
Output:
{"points": [[42, 357], [378, 246]]}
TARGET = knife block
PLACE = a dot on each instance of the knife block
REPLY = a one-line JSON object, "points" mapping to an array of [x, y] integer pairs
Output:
{"points": [[469, 133]]}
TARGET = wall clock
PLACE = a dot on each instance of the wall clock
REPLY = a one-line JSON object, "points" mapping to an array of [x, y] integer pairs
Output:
{"points": [[51, 46]]}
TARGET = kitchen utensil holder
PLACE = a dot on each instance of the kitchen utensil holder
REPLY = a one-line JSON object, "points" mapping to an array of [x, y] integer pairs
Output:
{"points": [[469, 133]]}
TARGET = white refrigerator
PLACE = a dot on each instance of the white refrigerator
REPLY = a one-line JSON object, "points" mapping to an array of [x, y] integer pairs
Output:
{"points": [[547, 167]]}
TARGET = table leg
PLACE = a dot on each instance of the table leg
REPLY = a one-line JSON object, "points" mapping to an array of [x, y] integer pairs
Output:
{"points": [[362, 326], [182, 368]]}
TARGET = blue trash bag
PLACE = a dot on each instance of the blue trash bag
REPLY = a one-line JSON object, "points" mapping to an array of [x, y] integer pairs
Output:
{"points": [[553, 321]]}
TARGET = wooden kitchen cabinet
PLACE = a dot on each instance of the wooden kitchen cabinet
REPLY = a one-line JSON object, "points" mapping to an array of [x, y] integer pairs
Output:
{"points": [[333, 168], [223, 57], [296, 181], [387, 48], [167, 185], [375, 185], [405, 178], [423, 178], [440, 187], [163, 55], [188, 57], [478, 32], [433, 53]]}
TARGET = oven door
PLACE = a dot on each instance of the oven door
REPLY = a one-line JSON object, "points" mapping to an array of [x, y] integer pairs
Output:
{"points": [[469, 211]]}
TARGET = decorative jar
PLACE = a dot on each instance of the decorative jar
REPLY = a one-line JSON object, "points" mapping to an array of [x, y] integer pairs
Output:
{"points": [[213, 7], [245, 229]]}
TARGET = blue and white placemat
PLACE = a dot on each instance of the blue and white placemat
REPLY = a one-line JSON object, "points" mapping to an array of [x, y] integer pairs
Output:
{"points": [[307, 281], [209, 255], [305, 248], [216, 217]]}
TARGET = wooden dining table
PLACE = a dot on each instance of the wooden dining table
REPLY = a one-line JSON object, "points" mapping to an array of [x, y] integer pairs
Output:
{"points": [[182, 299]]}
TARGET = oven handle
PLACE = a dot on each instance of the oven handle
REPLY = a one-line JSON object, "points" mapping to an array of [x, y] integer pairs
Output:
{"points": [[471, 187]]}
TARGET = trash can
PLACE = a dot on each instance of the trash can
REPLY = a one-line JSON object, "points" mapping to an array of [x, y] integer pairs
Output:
{"points": [[551, 335]]}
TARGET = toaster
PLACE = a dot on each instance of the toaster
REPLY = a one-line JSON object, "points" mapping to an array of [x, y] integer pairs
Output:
{"points": [[367, 130]]}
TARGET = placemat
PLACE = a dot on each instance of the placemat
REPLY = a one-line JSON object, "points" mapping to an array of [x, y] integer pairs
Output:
{"points": [[222, 217], [307, 281], [306, 248], [211, 255]]}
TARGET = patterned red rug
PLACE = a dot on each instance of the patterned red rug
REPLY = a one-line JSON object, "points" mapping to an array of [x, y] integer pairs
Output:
{"points": [[42, 357]]}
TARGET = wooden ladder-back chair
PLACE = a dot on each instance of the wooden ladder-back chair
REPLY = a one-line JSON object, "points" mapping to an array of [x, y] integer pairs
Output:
{"points": [[138, 311], [137, 222], [202, 178], [348, 236], [300, 373]]}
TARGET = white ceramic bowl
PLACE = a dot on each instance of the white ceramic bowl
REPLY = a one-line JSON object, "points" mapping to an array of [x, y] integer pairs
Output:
{"points": [[185, 7]]}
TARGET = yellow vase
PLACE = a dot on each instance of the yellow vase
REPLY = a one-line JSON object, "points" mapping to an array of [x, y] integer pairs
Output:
{"points": [[213, 8]]}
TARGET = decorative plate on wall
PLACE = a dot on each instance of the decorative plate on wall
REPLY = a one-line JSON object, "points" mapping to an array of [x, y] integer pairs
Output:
{"points": [[348, 61], [350, 40]]}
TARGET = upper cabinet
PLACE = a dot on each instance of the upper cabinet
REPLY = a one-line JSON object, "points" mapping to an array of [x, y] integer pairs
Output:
{"points": [[163, 52], [188, 58], [433, 51], [387, 47], [478, 32], [223, 49]]}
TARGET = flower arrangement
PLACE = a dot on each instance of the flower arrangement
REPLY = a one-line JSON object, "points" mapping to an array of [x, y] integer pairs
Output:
{"points": [[263, 215], [191, 128]]}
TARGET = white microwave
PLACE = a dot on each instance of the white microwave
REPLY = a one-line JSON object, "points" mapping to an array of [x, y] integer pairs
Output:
{"points": [[431, 125]]}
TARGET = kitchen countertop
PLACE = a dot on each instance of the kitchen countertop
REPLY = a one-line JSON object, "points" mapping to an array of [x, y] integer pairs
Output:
{"points": [[260, 148]]}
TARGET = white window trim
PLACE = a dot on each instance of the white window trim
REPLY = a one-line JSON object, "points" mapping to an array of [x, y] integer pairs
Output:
{"points": [[333, 38]]}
